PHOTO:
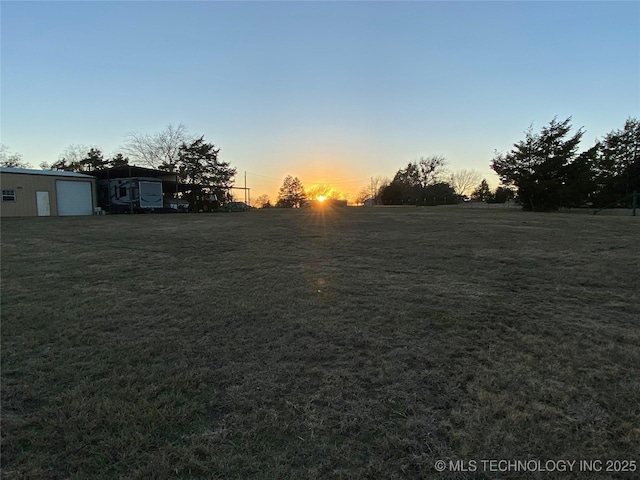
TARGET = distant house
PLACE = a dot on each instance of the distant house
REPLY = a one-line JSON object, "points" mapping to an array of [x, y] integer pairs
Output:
{"points": [[44, 193], [334, 202], [329, 202]]}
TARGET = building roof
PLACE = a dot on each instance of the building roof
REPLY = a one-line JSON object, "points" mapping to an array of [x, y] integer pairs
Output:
{"points": [[53, 173], [133, 171], [170, 180]]}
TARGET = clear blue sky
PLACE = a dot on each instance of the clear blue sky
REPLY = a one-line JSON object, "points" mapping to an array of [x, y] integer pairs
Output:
{"points": [[340, 90]]}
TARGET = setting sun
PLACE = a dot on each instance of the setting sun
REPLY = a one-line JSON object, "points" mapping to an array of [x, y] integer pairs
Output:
{"points": [[323, 192]]}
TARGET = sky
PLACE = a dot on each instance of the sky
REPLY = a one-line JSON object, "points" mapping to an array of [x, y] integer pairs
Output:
{"points": [[331, 92]]}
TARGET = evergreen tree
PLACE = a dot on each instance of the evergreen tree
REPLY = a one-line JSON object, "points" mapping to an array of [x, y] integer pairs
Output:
{"points": [[482, 193], [63, 165], [78, 158], [119, 161], [617, 169], [198, 165], [501, 195], [93, 161], [291, 193], [578, 179], [537, 165]]}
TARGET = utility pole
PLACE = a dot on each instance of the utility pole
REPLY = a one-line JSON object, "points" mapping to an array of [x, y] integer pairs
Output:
{"points": [[130, 192], [245, 187], [109, 189], [372, 193]]}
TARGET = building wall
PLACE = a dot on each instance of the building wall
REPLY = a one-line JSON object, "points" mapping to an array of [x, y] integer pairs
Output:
{"points": [[26, 186]]}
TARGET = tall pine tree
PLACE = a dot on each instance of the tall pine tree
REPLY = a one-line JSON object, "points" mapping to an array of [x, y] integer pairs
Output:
{"points": [[537, 165], [199, 166]]}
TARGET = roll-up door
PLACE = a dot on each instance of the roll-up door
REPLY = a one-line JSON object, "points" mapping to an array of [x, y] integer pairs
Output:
{"points": [[74, 198]]}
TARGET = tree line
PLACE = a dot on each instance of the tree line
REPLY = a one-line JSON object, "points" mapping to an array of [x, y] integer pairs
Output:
{"points": [[418, 183], [543, 172], [428, 181], [293, 194], [547, 171]]}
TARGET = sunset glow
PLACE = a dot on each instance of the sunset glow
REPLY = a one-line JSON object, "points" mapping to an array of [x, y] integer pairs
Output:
{"points": [[293, 99], [324, 191]]}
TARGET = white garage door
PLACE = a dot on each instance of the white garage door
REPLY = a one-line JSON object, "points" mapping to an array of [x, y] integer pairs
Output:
{"points": [[74, 198]]}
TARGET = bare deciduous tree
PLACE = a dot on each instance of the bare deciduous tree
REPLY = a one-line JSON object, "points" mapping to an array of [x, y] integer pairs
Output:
{"points": [[464, 181], [325, 190], [422, 173], [158, 150], [377, 184], [261, 201], [78, 158], [432, 169], [8, 159], [373, 189], [363, 195], [76, 153]]}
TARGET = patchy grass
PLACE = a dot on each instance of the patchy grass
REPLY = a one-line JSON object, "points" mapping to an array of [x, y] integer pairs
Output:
{"points": [[357, 343]]}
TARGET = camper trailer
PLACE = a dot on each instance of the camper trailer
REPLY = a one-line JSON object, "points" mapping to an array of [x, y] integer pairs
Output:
{"points": [[131, 195]]}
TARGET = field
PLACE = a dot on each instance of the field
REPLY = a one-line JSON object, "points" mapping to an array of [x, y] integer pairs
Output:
{"points": [[353, 343]]}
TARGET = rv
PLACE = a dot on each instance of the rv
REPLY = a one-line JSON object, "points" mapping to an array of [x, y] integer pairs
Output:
{"points": [[131, 195]]}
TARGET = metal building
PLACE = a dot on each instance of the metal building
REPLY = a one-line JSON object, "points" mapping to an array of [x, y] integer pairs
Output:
{"points": [[44, 193]]}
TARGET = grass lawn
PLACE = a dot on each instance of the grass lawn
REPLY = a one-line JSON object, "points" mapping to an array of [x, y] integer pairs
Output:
{"points": [[353, 343]]}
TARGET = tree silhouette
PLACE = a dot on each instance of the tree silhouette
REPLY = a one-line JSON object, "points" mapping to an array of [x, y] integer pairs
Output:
{"points": [[463, 181], [537, 165], [161, 149], [482, 193], [13, 160], [198, 164], [291, 194], [119, 161]]}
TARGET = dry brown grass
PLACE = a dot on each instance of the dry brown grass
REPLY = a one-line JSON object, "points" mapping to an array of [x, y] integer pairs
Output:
{"points": [[357, 343]]}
